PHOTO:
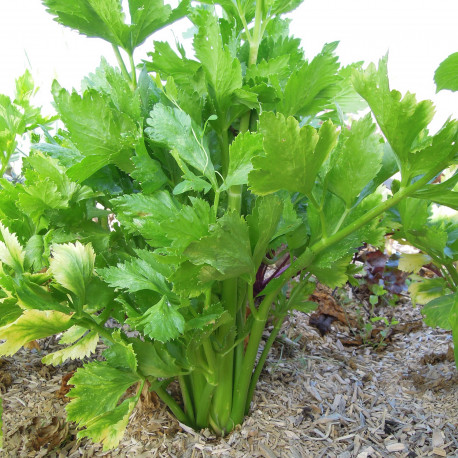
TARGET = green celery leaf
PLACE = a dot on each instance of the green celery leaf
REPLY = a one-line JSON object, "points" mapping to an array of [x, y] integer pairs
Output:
{"points": [[222, 70], [143, 214], [9, 311], [71, 335], [424, 291], [98, 388], [413, 262], [84, 347], [442, 151], [446, 76], [187, 282], [155, 360], [35, 258], [225, 252], [11, 251], [109, 427], [174, 128], [32, 296], [441, 193], [190, 224], [119, 354], [241, 151], [401, 119], [332, 275], [72, 266], [160, 322], [135, 275], [311, 88], [111, 82], [293, 155], [299, 297], [31, 325], [165, 61], [148, 172], [263, 222], [210, 317], [102, 134], [356, 160], [103, 19], [437, 312], [147, 16]]}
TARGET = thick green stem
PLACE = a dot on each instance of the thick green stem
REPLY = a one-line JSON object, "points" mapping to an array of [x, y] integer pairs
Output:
{"points": [[451, 269], [187, 399], [203, 409], [302, 261], [262, 361], [173, 406], [121, 64], [133, 71], [243, 383]]}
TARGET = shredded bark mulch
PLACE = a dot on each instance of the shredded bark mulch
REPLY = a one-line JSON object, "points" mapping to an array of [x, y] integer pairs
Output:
{"points": [[316, 398]]}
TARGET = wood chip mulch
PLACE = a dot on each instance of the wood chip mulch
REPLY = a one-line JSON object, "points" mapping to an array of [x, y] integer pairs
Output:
{"points": [[316, 398]]}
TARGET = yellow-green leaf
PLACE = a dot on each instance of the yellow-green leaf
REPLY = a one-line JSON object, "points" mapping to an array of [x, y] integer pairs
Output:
{"points": [[84, 347], [11, 251], [72, 266], [31, 325]]}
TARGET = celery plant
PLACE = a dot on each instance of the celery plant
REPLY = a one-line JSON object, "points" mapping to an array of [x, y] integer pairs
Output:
{"points": [[229, 173]]}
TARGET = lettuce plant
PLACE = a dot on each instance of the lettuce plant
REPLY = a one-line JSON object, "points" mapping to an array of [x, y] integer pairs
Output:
{"points": [[184, 194]]}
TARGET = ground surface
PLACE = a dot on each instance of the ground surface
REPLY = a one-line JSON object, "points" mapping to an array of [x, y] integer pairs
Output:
{"points": [[316, 398]]}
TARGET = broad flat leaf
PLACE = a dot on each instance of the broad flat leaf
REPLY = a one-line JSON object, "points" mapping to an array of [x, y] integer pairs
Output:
{"points": [[11, 251], [401, 119], [210, 317], [9, 311], [299, 297], [263, 223], [111, 82], [437, 312], [413, 262], [72, 266], [34, 253], [71, 335], [119, 354], [241, 152], [442, 151], [222, 70], [356, 160], [225, 252], [190, 224], [32, 296], [333, 276], [174, 128], [98, 388], [109, 428], [31, 325], [441, 193], [135, 275], [148, 172], [446, 76], [84, 347], [293, 155], [39, 197], [165, 61], [161, 322], [143, 214], [155, 360], [147, 16], [423, 291], [93, 18], [311, 88], [101, 133]]}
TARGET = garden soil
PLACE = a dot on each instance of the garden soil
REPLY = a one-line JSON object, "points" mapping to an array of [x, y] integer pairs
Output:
{"points": [[316, 398]]}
